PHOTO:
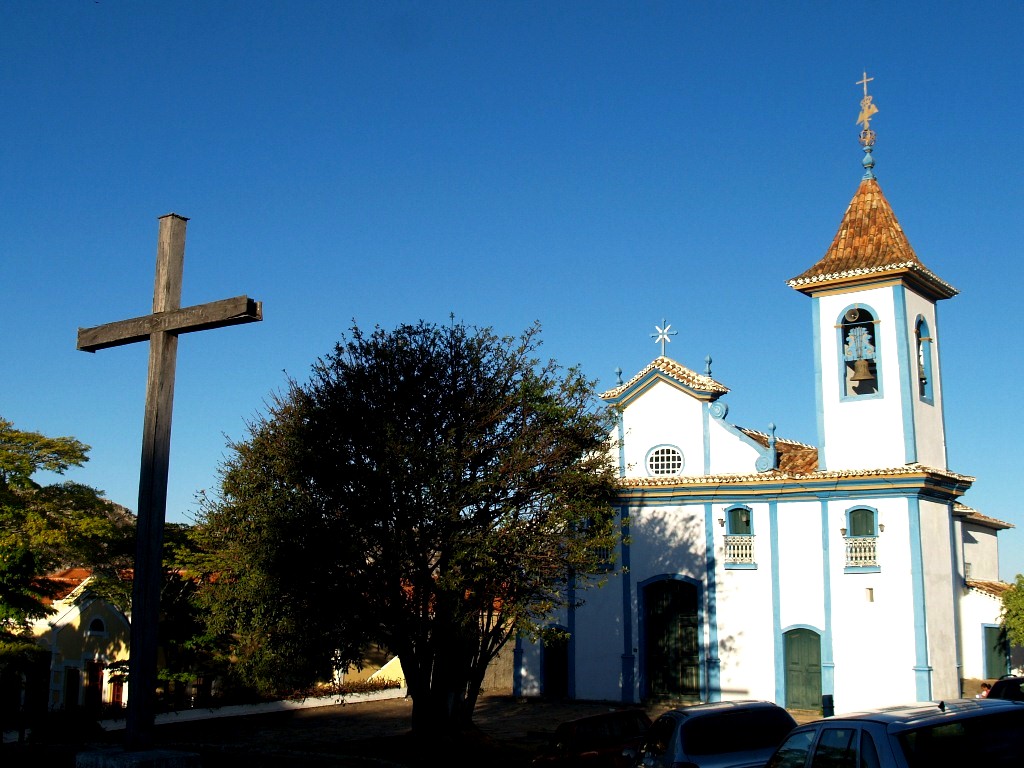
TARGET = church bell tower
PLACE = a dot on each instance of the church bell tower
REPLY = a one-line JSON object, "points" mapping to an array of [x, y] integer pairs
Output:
{"points": [[876, 342]]}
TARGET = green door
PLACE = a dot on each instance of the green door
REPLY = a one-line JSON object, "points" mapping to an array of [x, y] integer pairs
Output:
{"points": [[671, 640], [996, 661], [803, 669]]}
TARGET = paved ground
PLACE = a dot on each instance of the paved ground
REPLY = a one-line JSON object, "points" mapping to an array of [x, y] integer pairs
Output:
{"points": [[372, 734]]}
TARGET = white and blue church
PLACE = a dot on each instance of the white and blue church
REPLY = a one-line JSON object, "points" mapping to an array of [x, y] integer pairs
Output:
{"points": [[835, 576]]}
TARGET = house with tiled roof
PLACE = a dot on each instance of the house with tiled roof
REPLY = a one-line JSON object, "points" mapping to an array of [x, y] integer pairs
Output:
{"points": [[85, 635], [835, 576]]}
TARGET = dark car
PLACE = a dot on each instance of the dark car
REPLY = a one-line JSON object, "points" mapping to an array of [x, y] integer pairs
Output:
{"points": [[960, 732], [1008, 687], [596, 741], [725, 734]]}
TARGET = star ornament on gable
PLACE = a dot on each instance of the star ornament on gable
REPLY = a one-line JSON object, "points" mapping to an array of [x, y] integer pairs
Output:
{"points": [[662, 335]]}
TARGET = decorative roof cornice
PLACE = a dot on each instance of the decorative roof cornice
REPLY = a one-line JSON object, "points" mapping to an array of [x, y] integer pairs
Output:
{"points": [[911, 478], [870, 245], [664, 368], [974, 516]]}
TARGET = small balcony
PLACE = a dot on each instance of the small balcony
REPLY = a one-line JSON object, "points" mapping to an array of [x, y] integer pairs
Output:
{"points": [[739, 551]]}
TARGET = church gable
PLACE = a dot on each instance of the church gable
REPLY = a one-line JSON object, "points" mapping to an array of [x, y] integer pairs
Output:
{"points": [[672, 425]]}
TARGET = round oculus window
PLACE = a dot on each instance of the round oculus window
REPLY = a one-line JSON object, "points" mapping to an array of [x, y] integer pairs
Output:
{"points": [[665, 461]]}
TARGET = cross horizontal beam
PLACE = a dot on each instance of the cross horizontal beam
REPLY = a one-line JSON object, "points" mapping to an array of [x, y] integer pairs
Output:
{"points": [[199, 317]]}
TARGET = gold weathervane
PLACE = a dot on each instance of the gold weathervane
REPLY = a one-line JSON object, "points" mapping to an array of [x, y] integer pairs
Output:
{"points": [[867, 109]]}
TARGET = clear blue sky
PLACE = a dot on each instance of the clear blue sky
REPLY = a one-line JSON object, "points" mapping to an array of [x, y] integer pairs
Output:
{"points": [[594, 166]]}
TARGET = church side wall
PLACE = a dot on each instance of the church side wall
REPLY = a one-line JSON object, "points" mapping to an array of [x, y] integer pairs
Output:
{"points": [[941, 589], [929, 429]]}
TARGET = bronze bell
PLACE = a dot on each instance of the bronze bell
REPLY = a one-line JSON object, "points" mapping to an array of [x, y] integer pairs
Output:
{"points": [[861, 371]]}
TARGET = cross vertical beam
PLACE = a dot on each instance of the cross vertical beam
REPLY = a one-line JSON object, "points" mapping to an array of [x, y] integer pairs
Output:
{"points": [[161, 329]]}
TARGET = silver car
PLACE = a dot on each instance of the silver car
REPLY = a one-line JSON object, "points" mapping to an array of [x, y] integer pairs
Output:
{"points": [[987, 733], [726, 734]]}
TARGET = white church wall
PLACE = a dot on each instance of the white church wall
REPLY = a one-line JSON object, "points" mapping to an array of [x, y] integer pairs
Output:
{"points": [[663, 416], [801, 585], [729, 451], [599, 642], [980, 552], [977, 610], [873, 631], [744, 604]]}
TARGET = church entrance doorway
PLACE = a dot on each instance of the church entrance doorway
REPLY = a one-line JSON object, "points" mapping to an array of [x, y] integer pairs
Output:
{"points": [[671, 640], [803, 669], [554, 683]]}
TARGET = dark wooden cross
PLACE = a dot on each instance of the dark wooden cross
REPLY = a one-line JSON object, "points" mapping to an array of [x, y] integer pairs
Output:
{"points": [[169, 319]]}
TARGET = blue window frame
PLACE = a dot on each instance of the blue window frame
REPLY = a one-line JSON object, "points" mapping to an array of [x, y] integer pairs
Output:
{"points": [[739, 538], [861, 540], [859, 354], [924, 360]]}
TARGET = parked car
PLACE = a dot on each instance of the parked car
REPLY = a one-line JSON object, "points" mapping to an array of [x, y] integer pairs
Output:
{"points": [[961, 732], [725, 734], [595, 741], [1007, 687]]}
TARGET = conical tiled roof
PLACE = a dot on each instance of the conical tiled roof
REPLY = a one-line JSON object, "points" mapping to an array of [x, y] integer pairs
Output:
{"points": [[870, 244]]}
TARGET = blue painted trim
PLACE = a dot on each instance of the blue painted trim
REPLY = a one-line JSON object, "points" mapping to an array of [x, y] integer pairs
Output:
{"points": [[862, 569], [908, 370], [517, 666], [642, 613], [779, 640], [571, 629], [728, 519], [819, 394], [713, 689], [705, 416], [621, 427], [828, 664], [741, 566], [874, 520], [922, 669], [629, 694]]}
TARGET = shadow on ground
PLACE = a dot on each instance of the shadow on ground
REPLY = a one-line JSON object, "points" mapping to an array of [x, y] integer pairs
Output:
{"points": [[509, 732]]}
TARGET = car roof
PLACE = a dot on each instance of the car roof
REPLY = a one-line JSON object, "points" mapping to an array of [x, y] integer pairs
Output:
{"points": [[611, 713], [927, 713], [696, 710]]}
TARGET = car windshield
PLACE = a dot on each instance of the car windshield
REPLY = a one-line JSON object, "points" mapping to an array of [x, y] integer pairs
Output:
{"points": [[739, 731], [995, 739]]}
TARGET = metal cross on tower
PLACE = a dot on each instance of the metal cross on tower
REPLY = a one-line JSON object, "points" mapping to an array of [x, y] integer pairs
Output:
{"points": [[161, 329]]}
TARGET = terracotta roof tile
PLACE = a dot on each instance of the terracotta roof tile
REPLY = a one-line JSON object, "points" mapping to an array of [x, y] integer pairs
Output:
{"points": [[794, 458], [870, 243], [975, 516], [680, 373], [778, 476], [993, 588]]}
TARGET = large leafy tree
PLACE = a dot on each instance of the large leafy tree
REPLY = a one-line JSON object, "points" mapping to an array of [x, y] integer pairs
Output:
{"points": [[432, 489], [1013, 612], [47, 527]]}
